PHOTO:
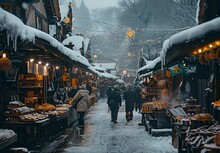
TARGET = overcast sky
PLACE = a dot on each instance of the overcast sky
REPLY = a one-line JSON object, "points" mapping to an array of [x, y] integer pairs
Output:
{"points": [[94, 4]]}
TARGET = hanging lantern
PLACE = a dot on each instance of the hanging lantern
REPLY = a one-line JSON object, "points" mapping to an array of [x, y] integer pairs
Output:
{"points": [[130, 33], [5, 63], [202, 59], [218, 54], [212, 54], [207, 57], [66, 20]]}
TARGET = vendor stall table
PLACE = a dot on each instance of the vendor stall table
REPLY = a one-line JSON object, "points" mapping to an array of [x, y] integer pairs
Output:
{"points": [[8, 142], [157, 119], [58, 125], [31, 134]]}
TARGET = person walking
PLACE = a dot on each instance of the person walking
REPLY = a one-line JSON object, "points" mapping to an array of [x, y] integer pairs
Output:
{"points": [[129, 96], [82, 100], [138, 99], [114, 102]]}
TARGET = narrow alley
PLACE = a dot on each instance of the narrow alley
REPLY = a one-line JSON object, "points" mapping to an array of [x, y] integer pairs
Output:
{"points": [[102, 136]]}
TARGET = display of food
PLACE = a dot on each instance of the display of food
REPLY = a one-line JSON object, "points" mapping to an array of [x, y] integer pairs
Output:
{"points": [[202, 117], [63, 105], [202, 135], [32, 117], [18, 111], [216, 103], [15, 104], [45, 107], [69, 101], [6, 134], [148, 107]]}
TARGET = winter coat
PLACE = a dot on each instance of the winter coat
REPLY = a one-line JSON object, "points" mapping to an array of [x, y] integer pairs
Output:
{"points": [[72, 93], [114, 96], [82, 105], [60, 97], [129, 96]]}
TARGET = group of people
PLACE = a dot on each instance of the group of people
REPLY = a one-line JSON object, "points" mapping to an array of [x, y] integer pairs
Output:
{"points": [[132, 100], [80, 98]]}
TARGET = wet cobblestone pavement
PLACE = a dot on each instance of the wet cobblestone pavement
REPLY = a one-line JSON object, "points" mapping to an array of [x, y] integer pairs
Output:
{"points": [[101, 136]]}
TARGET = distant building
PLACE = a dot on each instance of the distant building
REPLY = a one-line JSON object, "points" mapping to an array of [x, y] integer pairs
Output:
{"points": [[110, 67]]}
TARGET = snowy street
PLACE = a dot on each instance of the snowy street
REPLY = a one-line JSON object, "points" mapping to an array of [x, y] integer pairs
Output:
{"points": [[102, 136]]}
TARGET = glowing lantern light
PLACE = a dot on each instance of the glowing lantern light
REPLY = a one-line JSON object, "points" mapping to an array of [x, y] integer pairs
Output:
{"points": [[130, 33], [5, 63]]}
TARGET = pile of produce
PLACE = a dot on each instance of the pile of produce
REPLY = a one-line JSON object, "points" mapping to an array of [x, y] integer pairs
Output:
{"points": [[216, 103], [202, 135]]}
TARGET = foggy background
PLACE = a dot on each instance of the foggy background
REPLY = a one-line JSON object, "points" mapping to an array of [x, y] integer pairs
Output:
{"points": [[106, 22]]}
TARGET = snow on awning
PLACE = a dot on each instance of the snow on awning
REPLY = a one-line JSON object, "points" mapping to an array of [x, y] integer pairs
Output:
{"points": [[189, 35], [146, 74], [108, 66], [150, 64], [16, 28], [120, 81], [77, 41], [102, 74], [98, 68]]}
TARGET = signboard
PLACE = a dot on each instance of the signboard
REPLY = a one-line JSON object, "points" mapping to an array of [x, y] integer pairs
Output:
{"points": [[185, 70]]}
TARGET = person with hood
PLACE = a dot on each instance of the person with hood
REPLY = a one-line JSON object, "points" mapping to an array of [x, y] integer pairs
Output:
{"points": [[60, 96], [129, 96], [114, 102], [82, 100]]}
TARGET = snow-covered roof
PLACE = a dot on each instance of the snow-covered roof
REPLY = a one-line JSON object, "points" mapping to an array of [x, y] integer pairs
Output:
{"points": [[107, 75], [64, 8], [16, 28], [120, 81], [86, 43], [146, 74], [107, 66], [98, 68], [102, 74], [150, 64], [77, 41], [189, 35]]}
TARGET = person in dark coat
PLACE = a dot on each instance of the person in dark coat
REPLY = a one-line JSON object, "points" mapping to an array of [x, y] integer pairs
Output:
{"points": [[129, 96], [60, 96], [138, 99], [114, 102], [73, 92], [109, 89]]}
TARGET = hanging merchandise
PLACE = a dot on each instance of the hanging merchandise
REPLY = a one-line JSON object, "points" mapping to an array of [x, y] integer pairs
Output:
{"points": [[207, 57], [202, 59], [218, 54], [212, 54], [5, 63]]}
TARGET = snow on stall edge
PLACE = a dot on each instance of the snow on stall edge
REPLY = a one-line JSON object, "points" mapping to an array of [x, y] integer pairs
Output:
{"points": [[15, 27]]}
